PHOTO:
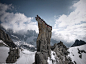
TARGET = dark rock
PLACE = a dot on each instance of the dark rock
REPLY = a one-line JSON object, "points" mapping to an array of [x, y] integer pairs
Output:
{"points": [[80, 56], [78, 43], [13, 55], [40, 58], [14, 50], [83, 51], [6, 39], [75, 62], [79, 51]]}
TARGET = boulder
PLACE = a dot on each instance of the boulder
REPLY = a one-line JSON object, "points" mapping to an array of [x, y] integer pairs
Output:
{"points": [[13, 55], [40, 58]]}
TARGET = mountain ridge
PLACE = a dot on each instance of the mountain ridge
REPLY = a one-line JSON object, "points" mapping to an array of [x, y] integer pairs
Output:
{"points": [[78, 43], [25, 37]]}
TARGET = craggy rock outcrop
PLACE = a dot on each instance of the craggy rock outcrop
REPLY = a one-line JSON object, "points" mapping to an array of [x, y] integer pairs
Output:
{"points": [[43, 42], [13, 55], [44, 49], [6, 39], [14, 50], [61, 51]]}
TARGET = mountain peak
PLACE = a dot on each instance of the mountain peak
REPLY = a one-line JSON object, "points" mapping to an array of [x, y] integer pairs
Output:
{"points": [[78, 43]]}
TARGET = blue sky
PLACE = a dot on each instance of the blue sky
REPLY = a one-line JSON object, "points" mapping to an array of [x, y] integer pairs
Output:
{"points": [[46, 9], [67, 17]]}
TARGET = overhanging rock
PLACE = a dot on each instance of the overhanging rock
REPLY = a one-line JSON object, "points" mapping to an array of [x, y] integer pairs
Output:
{"points": [[43, 41]]}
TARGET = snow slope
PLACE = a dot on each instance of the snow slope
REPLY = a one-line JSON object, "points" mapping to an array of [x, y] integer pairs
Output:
{"points": [[26, 56], [3, 54], [75, 53]]}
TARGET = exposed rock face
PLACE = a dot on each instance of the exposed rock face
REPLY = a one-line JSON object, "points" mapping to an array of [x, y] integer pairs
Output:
{"points": [[7, 40], [44, 49], [61, 51], [78, 43], [43, 42], [13, 55], [14, 50]]}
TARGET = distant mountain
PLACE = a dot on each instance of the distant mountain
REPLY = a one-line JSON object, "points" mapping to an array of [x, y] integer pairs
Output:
{"points": [[78, 43], [28, 37]]}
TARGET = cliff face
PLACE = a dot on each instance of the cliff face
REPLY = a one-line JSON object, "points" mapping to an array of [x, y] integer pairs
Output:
{"points": [[13, 53], [44, 49], [44, 35], [43, 41], [7, 40]]}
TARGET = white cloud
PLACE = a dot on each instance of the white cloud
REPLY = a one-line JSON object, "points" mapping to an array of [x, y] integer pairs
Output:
{"points": [[72, 26], [16, 21]]}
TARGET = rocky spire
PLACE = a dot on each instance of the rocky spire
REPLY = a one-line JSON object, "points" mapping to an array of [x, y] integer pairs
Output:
{"points": [[43, 41]]}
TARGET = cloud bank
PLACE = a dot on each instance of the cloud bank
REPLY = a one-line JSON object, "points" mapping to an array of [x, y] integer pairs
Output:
{"points": [[70, 27], [16, 21], [67, 28]]}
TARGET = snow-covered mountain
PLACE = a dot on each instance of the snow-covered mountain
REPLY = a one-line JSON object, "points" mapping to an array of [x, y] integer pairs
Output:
{"points": [[27, 48], [28, 37]]}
